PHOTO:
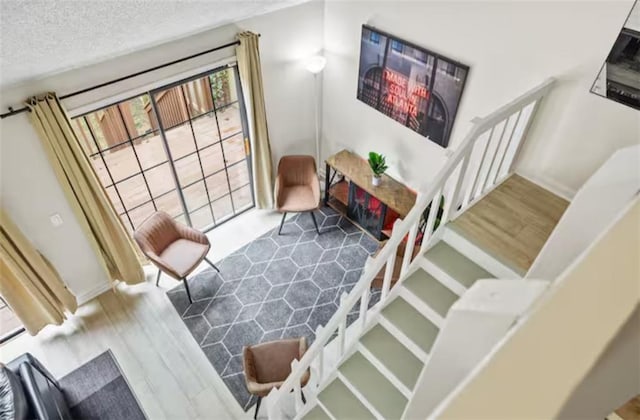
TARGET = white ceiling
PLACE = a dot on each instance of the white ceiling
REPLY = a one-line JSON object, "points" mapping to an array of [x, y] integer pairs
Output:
{"points": [[43, 37]]}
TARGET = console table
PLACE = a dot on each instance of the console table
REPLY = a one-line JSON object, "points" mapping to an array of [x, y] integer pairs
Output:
{"points": [[348, 190]]}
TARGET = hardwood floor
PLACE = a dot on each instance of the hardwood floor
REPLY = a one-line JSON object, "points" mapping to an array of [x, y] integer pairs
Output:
{"points": [[631, 410], [513, 221], [168, 372]]}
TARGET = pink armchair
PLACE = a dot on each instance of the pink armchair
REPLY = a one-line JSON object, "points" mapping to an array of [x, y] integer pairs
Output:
{"points": [[174, 248], [297, 187]]}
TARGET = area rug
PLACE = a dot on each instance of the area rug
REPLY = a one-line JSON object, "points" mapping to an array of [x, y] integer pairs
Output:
{"points": [[278, 286], [98, 390]]}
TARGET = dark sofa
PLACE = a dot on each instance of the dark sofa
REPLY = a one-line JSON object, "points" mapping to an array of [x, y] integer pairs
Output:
{"points": [[29, 391]]}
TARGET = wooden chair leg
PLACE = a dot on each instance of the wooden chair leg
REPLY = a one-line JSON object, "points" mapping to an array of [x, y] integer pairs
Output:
{"points": [[282, 222], [158, 278], [186, 287], [313, 217], [255, 416]]}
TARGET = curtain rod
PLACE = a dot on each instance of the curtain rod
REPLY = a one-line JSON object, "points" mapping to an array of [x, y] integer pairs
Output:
{"points": [[120, 79]]}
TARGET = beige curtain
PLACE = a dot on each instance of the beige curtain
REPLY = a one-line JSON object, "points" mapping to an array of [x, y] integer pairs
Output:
{"points": [[248, 56], [28, 283], [86, 195]]}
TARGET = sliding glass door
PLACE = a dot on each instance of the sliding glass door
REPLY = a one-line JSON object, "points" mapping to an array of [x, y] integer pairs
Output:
{"points": [[180, 149]]}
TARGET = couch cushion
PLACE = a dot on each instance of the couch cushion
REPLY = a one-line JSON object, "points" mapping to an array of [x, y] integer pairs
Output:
{"points": [[13, 401]]}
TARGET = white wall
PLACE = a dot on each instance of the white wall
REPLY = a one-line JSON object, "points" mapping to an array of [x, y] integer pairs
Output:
{"points": [[29, 190], [611, 382], [535, 371], [510, 47], [604, 195]]}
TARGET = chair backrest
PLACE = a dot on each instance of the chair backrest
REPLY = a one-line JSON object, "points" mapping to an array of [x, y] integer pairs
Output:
{"points": [[156, 233], [297, 170]]}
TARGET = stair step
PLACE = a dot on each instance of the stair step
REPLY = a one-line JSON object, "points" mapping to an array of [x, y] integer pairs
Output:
{"points": [[372, 384], [430, 291], [341, 403], [408, 320], [393, 354], [456, 265], [459, 239], [317, 413]]}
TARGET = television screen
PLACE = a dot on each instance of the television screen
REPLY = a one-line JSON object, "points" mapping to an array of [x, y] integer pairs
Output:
{"points": [[414, 86], [619, 78]]}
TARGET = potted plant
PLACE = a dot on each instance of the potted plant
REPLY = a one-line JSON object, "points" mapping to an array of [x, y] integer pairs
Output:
{"points": [[378, 165]]}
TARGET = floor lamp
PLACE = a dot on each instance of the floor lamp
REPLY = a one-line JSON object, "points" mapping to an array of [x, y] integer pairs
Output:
{"points": [[315, 65]]}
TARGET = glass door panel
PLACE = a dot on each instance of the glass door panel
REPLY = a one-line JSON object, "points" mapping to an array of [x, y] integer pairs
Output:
{"points": [[179, 149], [205, 140]]}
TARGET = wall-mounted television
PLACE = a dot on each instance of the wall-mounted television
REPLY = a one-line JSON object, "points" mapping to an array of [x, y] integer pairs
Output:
{"points": [[619, 77], [416, 87]]}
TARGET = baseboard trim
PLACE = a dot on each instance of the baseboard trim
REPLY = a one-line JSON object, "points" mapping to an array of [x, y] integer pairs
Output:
{"points": [[559, 190], [93, 293]]}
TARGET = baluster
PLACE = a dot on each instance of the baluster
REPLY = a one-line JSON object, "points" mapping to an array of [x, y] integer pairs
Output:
{"points": [[408, 250], [506, 147], [273, 405], [364, 307], [487, 182], [297, 395], [471, 192], [342, 328], [453, 195], [388, 274], [433, 214], [528, 113], [320, 359]]}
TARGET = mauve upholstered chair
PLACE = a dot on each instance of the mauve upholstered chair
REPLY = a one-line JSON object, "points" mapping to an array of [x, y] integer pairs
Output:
{"points": [[174, 248], [297, 187], [267, 365]]}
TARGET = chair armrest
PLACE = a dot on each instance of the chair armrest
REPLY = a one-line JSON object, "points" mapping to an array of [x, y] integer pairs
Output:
{"points": [[315, 188], [192, 234], [279, 186], [262, 389], [302, 349]]}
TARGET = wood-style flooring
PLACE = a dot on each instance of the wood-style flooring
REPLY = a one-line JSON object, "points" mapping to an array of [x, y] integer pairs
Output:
{"points": [[167, 371], [631, 410], [513, 221]]}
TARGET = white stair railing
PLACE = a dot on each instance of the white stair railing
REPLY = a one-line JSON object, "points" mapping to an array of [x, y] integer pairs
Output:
{"points": [[484, 158]]}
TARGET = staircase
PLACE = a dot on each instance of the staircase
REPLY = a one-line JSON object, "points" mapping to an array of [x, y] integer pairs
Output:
{"points": [[379, 378], [412, 341]]}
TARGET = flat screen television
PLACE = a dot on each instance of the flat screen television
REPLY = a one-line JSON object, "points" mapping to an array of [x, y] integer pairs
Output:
{"points": [[416, 87]]}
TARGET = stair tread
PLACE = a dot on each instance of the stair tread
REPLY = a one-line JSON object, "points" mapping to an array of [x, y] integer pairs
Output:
{"points": [[430, 291], [341, 402], [408, 320], [509, 265], [317, 413], [393, 354], [456, 265], [373, 385]]}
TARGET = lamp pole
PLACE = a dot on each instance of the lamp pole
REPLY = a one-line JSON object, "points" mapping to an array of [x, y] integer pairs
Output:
{"points": [[315, 65]]}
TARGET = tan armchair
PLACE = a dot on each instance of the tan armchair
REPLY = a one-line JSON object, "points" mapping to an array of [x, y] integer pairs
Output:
{"points": [[297, 187], [267, 365], [174, 248]]}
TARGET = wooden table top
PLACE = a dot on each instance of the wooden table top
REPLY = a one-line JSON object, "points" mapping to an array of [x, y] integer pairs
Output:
{"points": [[394, 194]]}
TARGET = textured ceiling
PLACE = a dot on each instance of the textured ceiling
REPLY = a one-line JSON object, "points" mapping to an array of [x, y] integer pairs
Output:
{"points": [[42, 37]]}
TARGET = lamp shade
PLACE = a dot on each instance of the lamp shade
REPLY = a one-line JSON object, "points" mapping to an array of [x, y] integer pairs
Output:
{"points": [[316, 64]]}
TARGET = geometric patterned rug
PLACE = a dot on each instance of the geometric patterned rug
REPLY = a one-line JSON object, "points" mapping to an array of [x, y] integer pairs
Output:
{"points": [[277, 286]]}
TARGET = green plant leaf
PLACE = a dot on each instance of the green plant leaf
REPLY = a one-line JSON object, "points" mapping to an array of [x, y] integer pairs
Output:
{"points": [[377, 162]]}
